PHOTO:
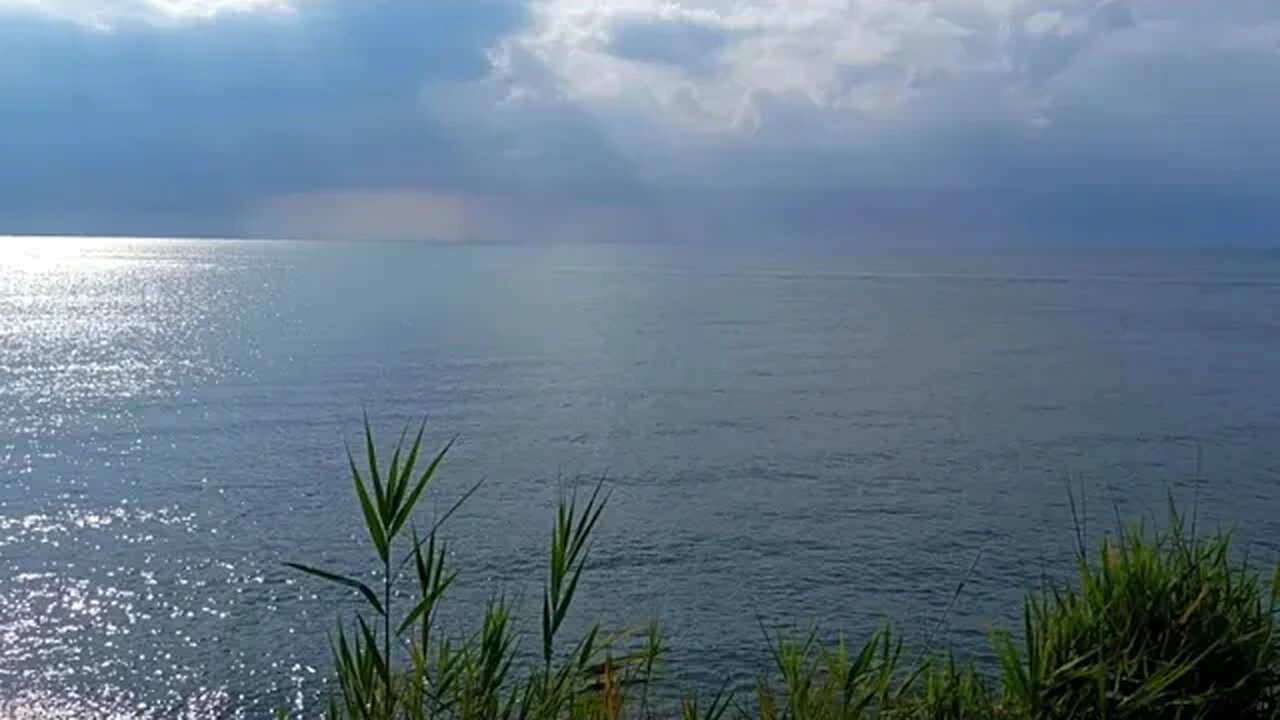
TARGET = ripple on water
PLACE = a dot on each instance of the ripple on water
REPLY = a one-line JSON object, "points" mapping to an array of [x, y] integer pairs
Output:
{"points": [[146, 632], [171, 416], [93, 330]]}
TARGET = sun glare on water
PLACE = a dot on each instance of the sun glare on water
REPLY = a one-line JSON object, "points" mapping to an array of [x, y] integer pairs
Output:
{"points": [[46, 253], [71, 255]]}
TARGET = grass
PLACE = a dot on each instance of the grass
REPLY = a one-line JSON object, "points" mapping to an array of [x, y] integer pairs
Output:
{"points": [[1158, 623]]}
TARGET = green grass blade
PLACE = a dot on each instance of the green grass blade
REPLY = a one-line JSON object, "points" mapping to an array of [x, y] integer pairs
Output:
{"points": [[404, 512], [405, 473], [368, 594], [395, 484], [427, 603], [371, 521], [438, 523], [547, 636], [380, 664], [563, 608], [371, 454]]}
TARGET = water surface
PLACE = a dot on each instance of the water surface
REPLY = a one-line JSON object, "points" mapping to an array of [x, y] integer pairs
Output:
{"points": [[796, 437]]}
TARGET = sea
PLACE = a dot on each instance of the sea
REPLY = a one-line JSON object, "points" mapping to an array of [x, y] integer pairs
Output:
{"points": [[791, 438]]}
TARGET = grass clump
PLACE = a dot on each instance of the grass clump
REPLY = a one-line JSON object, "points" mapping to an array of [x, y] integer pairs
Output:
{"points": [[1158, 623], [820, 683]]}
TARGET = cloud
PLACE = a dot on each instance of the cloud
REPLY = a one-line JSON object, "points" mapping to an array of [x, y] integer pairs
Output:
{"points": [[105, 15], [744, 61], [1052, 115], [642, 118], [151, 128]]}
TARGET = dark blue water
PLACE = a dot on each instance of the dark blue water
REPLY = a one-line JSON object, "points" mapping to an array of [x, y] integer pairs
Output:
{"points": [[804, 438]]}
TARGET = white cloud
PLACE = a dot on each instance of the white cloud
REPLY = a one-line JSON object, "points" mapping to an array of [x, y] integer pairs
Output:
{"points": [[911, 92], [849, 58], [107, 14], [862, 55]]}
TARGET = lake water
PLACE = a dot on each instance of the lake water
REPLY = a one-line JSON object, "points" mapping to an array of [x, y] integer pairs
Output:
{"points": [[827, 438]]}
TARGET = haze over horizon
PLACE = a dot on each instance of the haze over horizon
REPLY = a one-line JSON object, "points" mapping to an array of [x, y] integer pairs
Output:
{"points": [[946, 121]]}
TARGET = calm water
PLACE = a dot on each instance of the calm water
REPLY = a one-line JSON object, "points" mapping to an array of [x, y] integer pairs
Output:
{"points": [[827, 439]]}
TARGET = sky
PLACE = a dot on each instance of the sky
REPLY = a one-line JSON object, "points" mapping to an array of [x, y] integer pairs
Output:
{"points": [[718, 121]]}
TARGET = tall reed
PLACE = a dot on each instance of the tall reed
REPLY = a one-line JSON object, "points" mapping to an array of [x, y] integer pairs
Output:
{"points": [[388, 662]]}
